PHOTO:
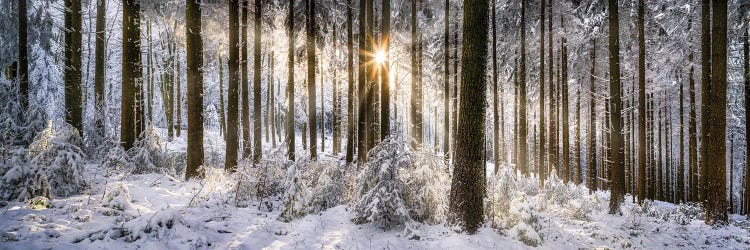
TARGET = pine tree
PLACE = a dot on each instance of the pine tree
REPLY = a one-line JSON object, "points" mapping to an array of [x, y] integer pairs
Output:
{"points": [[311, 58], [290, 114], [746, 68], [591, 160], [496, 123], [578, 171], [257, 132], [99, 71], [385, 82], [222, 113], [565, 108], [715, 95], [131, 70], [641, 104], [194, 50], [681, 165], [362, 88], [247, 149], [467, 188], [542, 154], [23, 53], [72, 71], [350, 79], [522, 127], [232, 144], [446, 80], [415, 111], [178, 92]]}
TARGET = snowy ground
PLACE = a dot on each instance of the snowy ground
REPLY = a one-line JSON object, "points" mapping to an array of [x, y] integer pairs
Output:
{"points": [[162, 212]]}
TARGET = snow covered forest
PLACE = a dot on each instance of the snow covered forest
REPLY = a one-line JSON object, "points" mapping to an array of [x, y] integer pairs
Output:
{"points": [[374, 124]]}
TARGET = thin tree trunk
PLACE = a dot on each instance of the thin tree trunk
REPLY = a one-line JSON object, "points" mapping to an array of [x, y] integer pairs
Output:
{"points": [[23, 54], [72, 71], [290, 114], [311, 58], [591, 161], [522, 128], [257, 132], [746, 64], [414, 107], [222, 113], [244, 86], [350, 129], [362, 82], [232, 144], [681, 167], [446, 80], [565, 115], [99, 70], [467, 189], [178, 92], [641, 103], [577, 147], [385, 86], [542, 154]]}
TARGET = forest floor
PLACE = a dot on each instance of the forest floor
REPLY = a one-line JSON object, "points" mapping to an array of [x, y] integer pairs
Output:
{"points": [[159, 212]]}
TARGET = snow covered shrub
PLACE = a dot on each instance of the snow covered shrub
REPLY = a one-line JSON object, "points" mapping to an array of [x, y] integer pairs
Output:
{"points": [[215, 187], [297, 194], [147, 154], [60, 155], [328, 187], [427, 185], [500, 189], [39, 202], [116, 163], [19, 126], [117, 197], [160, 225], [524, 221], [380, 200], [260, 180], [22, 180], [684, 213], [555, 191]]}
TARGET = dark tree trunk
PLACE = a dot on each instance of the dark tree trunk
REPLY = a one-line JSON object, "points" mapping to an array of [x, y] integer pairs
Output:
{"points": [[73, 41], [715, 95], [385, 85], [234, 81], [522, 127], [446, 81], [565, 109], [99, 70], [178, 92], [641, 104], [222, 113], [362, 87], [591, 161], [244, 86], [681, 167], [617, 183], [415, 109], [290, 114], [23, 54], [746, 67], [257, 132], [194, 44], [467, 188], [350, 129], [131, 70], [311, 58], [542, 131], [705, 87]]}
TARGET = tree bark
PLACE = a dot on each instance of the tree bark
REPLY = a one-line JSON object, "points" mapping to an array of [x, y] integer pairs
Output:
{"points": [[495, 113], [131, 70], [467, 188], [72, 71], [194, 44], [565, 115], [99, 70], [715, 119], [641, 103], [290, 114], [232, 144], [542, 154], [522, 128], [362, 88], [311, 58], [23, 54], [257, 134], [350, 134], [591, 161], [222, 113]]}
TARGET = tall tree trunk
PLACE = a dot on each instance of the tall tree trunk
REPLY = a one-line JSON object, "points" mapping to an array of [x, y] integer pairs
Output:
{"points": [[150, 74], [194, 44], [99, 70], [446, 81], [23, 52], [178, 91], [73, 41], [495, 124], [454, 115], [731, 174], [467, 188], [591, 161], [681, 166], [746, 64], [618, 169], [692, 137], [257, 132], [232, 144], [542, 154], [565, 115], [131, 70], [272, 106], [350, 130], [222, 113], [290, 114], [322, 111], [522, 127], [336, 115], [385, 85], [414, 107], [705, 86], [244, 86], [552, 163], [311, 58], [577, 147], [362, 82], [641, 104], [715, 118]]}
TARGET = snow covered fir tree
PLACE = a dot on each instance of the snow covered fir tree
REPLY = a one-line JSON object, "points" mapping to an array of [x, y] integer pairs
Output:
{"points": [[374, 124]]}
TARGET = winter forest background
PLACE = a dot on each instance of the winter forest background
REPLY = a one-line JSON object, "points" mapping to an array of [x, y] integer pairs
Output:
{"points": [[287, 124]]}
